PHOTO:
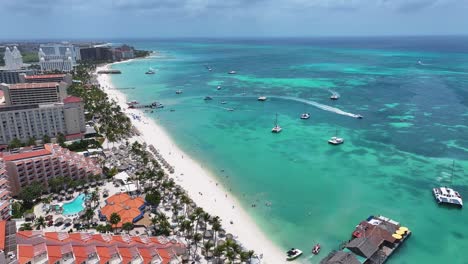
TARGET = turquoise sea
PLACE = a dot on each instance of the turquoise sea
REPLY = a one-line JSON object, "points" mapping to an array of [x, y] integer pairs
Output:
{"points": [[412, 92]]}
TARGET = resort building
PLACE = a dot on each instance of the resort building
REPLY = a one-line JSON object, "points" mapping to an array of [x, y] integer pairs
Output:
{"points": [[42, 163], [58, 57], [96, 54], [13, 59], [37, 247], [130, 209], [67, 78], [34, 93], [37, 120], [4, 193], [13, 76]]}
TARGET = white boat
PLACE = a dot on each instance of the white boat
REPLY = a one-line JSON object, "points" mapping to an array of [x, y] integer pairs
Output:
{"points": [[262, 98], [178, 92], [218, 88], [132, 103], [150, 71], [336, 140], [276, 128], [334, 97], [305, 116], [230, 109], [232, 72], [223, 102], [293, 254], [358, 116], [445, 195]]}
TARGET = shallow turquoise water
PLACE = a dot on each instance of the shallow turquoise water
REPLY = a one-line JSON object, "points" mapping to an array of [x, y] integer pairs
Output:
{"points": [[75, 206], [414, 99]]}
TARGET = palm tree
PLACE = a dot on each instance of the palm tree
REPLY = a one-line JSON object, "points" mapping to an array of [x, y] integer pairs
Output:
{"points": [[196, 239], [216, 226], [206, 247], [114, 219], [250, 253], [127, 226], [25, 226], [89, 213], [94, 198], [40, 222]]}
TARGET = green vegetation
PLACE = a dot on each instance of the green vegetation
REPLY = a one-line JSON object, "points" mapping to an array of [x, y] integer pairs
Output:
{"points": [[30, 194], [113, 123], [127, 226], [15, 143], [114, 219], [83, 145], [153, 198], [141, 53], [61, 183], [29, 57]]}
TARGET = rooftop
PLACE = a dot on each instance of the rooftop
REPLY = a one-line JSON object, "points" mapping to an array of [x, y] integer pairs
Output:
{"points": [[33, 85], [43, 76], [72, 99]]}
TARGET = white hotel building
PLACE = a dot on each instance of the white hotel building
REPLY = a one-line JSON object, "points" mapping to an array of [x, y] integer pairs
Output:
{"points": [[58, 57]]}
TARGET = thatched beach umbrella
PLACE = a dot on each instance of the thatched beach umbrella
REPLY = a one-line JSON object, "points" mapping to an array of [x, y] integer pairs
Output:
{"points": [[70, 190], [222, 233], [221, 242], [62, 192], [59, 220], [229, 236], [93, 184], [79, 187], [95, 221], [67, 221], [86, 186], [29, 216], [208, 234]]}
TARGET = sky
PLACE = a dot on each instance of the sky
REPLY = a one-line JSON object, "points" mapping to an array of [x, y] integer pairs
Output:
{"points": [[104, 19]]}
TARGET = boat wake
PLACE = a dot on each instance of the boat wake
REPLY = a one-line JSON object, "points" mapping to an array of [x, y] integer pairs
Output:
{"points": [[318, 105], [423, 64]]}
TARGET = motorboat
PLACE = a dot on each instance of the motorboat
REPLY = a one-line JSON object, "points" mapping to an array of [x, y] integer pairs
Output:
{"points": [[150, 71], [262, 98], [276, 128], [445, 195], [218, 88], [178, 92], [232, 72], [132, 103], [305, 116], [316, 249], [208, 98], [230, 109], [359, 116], [334, 97], [293, 254], [223, 102], [335, 141]]}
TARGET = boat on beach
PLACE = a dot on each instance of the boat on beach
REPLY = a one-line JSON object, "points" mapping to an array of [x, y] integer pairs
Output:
{"points": [[276, 128], [446, 195], [293, 254], [262, 98]]}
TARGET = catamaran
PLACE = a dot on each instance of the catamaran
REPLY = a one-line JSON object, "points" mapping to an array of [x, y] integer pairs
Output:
{"points": [[336, 140], [445, 195], [276, 128]]}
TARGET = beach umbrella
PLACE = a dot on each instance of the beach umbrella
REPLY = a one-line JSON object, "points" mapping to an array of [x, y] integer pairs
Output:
{"points": [[85, 222], [222, 233], [208, 234], [86, 185], [59, 220], [70, 190], [54, 196], [93, 184], [62, 192], [29, 216], [67, 221], [101, 182], [79, 187], [229, 236], [77, 221], [221, 242]]}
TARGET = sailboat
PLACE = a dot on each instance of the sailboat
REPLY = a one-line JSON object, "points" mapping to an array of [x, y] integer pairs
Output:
{"points": [[445, 195], [276, 128], [336, 140]]}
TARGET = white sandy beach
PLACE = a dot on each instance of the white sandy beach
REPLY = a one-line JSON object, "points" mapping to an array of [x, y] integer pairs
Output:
{"points": [[194, 179]]}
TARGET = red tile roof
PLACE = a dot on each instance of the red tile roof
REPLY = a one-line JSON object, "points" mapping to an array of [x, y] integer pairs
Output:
{"points": [[44, 76], [33, 85], [72, 99], [26, 155], [54, 253], [26, 253]]}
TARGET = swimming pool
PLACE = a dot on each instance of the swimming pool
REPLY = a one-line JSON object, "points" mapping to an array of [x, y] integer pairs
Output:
{"points": [[75, 206]]}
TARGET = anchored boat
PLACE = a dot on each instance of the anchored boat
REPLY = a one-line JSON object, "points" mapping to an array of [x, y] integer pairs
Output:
{"points": [[293, 254]]}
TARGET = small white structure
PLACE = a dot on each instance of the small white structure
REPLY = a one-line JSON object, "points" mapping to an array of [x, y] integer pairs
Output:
{"points": [[13, 59], [127, 187]]}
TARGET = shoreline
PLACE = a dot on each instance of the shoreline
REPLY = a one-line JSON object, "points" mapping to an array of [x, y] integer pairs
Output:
{"points": [[201, 185]]}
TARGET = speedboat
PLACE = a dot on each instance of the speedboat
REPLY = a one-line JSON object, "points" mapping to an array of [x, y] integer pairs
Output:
{"points": [[293, 254], [316, 249], [276, 128], [305, 116], [445, 195], [334, 97], [335, 141], [359, 116], [230, 109], [178, 92], [223, 102], [262, 98], [208, 98], [218, 88], [232, 72]]}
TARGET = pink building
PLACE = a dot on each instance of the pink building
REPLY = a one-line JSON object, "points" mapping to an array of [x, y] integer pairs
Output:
{"points": [[40, 164]]}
